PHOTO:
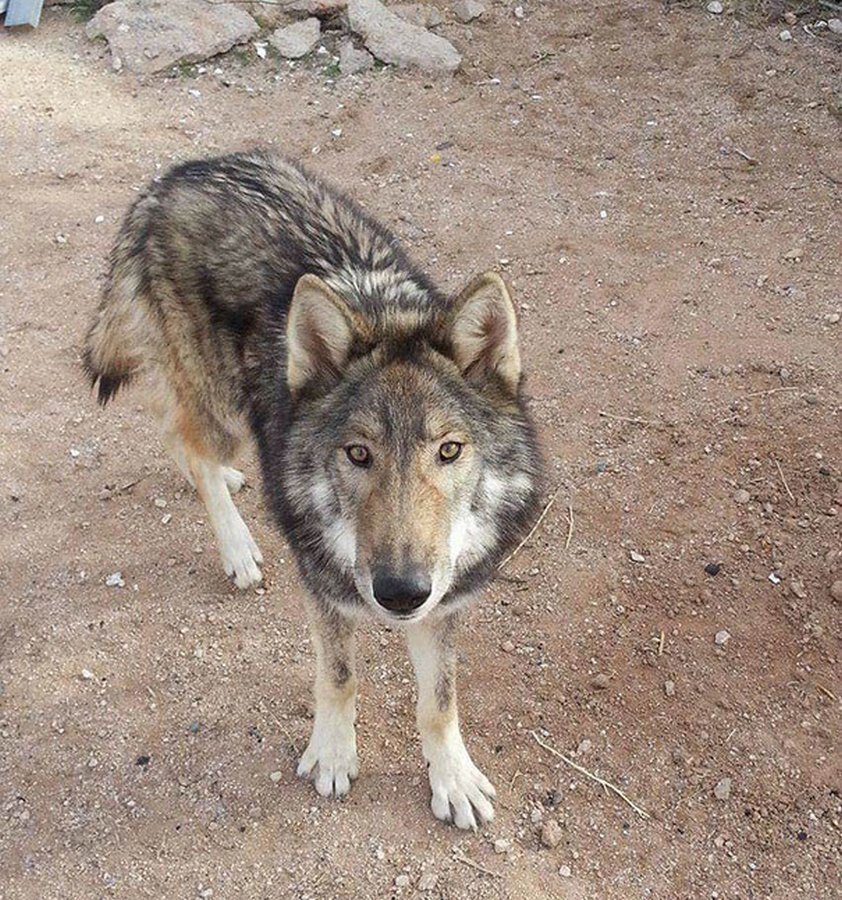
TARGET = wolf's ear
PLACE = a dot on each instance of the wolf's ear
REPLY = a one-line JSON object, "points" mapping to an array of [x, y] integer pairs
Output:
{"points": [[483, 330], [319, 332]]}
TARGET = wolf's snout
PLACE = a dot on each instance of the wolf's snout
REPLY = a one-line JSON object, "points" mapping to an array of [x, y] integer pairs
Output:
{"points": [[401, 593]]}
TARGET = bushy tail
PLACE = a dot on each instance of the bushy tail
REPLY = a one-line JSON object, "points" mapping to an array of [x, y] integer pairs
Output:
{"points": [[114, 345]]}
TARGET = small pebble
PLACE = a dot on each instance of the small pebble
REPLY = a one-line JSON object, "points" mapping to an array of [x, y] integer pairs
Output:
{"points": [[715, 7], [713, 569], [634, 556], [275, 777], [832, 318], [785, 35], [722, 638], [115, 579], [501, 845], [836, 591], [774, 578], [600, 682], [551, 834], [584, 747], [565, 871], [160, 503], [835, 25], [790, 18], [722, 791], [742, 496], [166, 518], [795, 254], [99, 220], [87, 674], [507, 647], [402, 881], [669, 688], [536, 816], [427, 881]]}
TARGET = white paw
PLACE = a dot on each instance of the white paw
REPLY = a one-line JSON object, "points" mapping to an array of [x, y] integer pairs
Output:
{"points": [[234, 478], [334, 752], [241, 558], [461, 793]]}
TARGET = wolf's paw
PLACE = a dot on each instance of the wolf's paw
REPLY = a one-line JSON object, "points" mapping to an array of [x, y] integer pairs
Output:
{"points": [[241, 559], [234, 478], [461, 793], [335, 755]]}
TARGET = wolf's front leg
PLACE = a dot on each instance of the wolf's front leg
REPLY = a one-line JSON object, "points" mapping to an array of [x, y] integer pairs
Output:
{"points": [[461, 793], [332, 751]]}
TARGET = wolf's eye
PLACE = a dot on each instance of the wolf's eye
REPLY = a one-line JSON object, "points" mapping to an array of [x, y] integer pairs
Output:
{"points": [[359, 455], [450, 451]]}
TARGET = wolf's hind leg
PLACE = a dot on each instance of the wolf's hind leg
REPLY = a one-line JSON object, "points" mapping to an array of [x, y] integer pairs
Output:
{"points": [[241, 557], [332, 751]]}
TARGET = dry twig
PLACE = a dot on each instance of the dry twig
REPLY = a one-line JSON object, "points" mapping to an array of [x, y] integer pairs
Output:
{"points": [[460, 857], [783, 479], [532, 531], [569, 526], [601, 781]]}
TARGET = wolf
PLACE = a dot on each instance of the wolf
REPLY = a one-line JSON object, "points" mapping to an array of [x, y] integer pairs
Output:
{"points": [[396, 452]]}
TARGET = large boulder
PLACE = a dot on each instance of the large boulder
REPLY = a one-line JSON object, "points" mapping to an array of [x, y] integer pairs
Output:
{"points": [[151, 35], [401, 43]]}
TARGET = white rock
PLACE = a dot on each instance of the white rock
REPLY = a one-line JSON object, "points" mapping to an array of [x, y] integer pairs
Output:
{"points": [[352, 60], [722, 791], [151, 35], [742, 497], [402, 881], [634, 556], [835, 25], [275, 777], [298, 39], [565, 871], [721, 638], [395, 41], [501, 845], [87, 674], [427, 881], [785, 35], [715, 7], [115, 579], [468, 10]]}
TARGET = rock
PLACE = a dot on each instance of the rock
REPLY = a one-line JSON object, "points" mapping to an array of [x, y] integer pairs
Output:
{"points": [[835, 25], [600, 682], [151, 35], [794, 255], [87, 675], [742, 496], [721, 638], [427, 882], [421, 14], [468, 10], [669, 688], [352, 60], [395, 41], [798, 589], [551, 834], [634, 556], [507, 647], [715, 7], [584, 747], [785, 35], [115, 579], [402, 881], [275, 777], [832, 318], [722, 791], [501, 845], [836, 591], [713, 569], [790, 18], [565, 871], [298, 39], [322, 8]]}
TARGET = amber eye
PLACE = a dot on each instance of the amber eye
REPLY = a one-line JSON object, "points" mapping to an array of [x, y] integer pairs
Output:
{"points": [[359, 455], [450, 451]]}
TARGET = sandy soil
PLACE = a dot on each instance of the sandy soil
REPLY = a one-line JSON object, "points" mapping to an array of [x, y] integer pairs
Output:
{"points": [[675, 358]]}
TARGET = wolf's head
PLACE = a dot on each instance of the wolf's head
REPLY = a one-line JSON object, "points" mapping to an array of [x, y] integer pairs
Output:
{"points": [[409, 462]]}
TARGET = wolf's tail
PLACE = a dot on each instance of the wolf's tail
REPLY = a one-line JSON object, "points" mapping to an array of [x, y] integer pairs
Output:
{"points": [[114, 349]]}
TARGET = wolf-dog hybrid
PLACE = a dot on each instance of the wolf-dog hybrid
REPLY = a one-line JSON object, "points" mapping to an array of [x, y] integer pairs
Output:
{"points": [[395, 450]]}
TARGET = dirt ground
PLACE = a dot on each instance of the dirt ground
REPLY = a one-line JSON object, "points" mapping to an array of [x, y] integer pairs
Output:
{"points": [[676, 359]]}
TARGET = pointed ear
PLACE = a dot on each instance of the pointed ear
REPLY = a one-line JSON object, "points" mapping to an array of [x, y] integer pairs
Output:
{"points": [[319, 332], [483, 330]]}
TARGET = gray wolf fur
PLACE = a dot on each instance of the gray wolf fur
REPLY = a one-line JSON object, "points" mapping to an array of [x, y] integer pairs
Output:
{"points": [[396, 453]]}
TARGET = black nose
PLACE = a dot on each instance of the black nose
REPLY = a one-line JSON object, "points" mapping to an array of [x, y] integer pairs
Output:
{"points": [[401, 593]]}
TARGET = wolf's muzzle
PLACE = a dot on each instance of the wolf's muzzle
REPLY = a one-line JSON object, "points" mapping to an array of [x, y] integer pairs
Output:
{"points": [[401, 593]]}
